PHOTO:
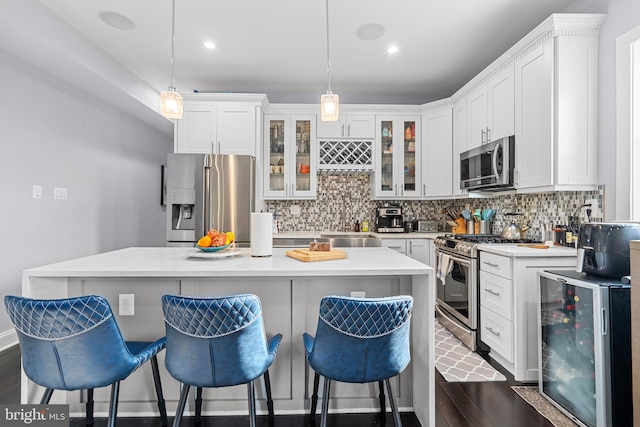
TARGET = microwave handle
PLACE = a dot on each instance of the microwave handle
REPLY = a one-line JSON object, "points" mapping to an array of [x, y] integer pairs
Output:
{"points": [[494, 165]]}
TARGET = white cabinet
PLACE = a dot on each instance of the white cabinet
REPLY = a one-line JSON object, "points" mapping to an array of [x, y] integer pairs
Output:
{"points": [[491, 108], [556, 88], [220, 127], [397, 158], [437, 153], [348, 126], [508, 306], [460, 141], [419, 249], [289, 157]]}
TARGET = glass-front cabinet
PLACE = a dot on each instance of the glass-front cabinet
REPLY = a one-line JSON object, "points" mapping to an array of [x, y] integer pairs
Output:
{"points": [[290, 162], [397, 173]]}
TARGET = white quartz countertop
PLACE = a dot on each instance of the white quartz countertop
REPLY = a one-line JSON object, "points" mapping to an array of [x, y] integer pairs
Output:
{"points": [[174, 262], [514, 251], [317, 235]]}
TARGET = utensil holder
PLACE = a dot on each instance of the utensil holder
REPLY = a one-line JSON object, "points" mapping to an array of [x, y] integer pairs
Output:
{"points": [[485, 226], [471, 227]]}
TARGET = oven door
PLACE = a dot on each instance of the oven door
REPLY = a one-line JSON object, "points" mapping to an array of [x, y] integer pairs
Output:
{"points": [[458, 293]]}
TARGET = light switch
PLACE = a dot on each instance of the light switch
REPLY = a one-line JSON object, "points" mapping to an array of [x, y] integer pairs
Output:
{"points": [[126, 304], [37, 192]]}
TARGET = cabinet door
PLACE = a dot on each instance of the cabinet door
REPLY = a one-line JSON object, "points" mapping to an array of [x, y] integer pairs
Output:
{"points": [[533, 117], [275, 160], [460, 141], [360, 126], [195, 133], [501, 104], [477, 121], [409, 159], [421, 250], [399, 245], [437, 153], [236, 129], [302, 148], [386, 182], [330, 129]]}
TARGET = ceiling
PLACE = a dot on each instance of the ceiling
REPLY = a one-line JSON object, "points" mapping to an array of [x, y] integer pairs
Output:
{"points": [[278, 47]]}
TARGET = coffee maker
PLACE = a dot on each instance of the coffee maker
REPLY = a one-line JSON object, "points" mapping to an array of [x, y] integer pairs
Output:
{"points": [[389, 220]]}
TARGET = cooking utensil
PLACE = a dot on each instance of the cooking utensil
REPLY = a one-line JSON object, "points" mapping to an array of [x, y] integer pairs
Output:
{"points": [[466, 214], [513, 231], [477, 215]]}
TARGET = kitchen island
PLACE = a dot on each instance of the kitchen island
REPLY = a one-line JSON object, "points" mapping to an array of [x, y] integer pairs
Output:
{"points": [[290, 291]]}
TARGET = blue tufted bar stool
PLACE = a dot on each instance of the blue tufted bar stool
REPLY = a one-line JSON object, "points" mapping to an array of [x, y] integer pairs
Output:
{"points": [[75, 344], [217, 342], [360, 340]]}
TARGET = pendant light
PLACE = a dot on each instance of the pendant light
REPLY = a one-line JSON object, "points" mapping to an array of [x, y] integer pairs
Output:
{"points": [[329, 102], [171, 102]]}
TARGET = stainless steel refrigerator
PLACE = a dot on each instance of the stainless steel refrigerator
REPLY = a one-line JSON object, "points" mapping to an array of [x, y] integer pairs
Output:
{"points": [[205, 191]]}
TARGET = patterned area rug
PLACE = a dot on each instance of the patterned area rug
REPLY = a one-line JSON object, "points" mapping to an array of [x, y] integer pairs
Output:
{"points": [[457, 363], [543, 406]]}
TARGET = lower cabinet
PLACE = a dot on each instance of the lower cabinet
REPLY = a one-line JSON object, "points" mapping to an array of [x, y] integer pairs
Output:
{"points": [[508, 307], [419, 249]]}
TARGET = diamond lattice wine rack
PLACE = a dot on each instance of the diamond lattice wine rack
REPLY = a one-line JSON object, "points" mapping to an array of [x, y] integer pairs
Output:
{"points": [[353, 156]]}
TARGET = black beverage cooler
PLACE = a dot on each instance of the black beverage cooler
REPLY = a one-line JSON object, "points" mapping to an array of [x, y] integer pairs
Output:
{"points": [[585, 347]]}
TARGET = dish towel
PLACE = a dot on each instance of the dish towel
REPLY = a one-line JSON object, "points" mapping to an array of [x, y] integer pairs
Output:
{"points": [[445, 265]]}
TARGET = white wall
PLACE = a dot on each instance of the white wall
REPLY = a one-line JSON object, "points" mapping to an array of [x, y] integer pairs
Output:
{"points": [[55, 135], [623, 15]]}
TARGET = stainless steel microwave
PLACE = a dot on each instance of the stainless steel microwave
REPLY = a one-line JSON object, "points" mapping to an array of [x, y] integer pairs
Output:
{"points": [[488, 167]]}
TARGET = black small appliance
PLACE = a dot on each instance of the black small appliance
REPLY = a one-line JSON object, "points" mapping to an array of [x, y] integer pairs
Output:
{"points": [[389, 220]]}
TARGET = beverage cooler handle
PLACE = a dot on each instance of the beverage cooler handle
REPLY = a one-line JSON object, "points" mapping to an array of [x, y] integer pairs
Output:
{"points": [[605, 323]]}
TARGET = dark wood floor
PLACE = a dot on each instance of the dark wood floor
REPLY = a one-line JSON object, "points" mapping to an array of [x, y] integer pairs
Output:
{"points": [[490, 404]]}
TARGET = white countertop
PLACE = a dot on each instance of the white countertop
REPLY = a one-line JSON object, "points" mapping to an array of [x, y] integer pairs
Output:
{"points": [[317, 235], [514, 251], [173, 262]]}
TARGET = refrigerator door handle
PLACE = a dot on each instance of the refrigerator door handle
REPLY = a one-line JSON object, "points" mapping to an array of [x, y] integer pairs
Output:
{"points": [[605, 324]]}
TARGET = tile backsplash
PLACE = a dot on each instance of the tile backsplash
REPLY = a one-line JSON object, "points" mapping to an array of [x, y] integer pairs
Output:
{"points": [[342, 199]]}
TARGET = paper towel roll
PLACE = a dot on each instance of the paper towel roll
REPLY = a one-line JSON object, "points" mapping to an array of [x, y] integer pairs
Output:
{"points": [[261, 234]]}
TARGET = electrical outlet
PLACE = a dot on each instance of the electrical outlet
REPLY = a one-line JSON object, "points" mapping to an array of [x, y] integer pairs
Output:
{"points": [[295, 210], [37, 192], [358, 294], [594, 207], [126, 304], [59, 193]]}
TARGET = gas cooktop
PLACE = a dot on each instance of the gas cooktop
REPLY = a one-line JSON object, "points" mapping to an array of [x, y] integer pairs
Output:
{"points": [[486, 238], [465, 244]]}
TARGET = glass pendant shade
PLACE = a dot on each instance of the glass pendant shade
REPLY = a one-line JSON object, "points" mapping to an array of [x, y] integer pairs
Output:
{"points": [[171, 104], [329, 107]]}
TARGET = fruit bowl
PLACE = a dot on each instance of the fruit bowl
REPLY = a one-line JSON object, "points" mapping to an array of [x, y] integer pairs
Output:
{"points": [[214, 248]]}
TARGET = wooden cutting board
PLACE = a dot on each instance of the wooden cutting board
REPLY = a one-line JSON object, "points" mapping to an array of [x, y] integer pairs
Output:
{"points": [[533, 246], [308, 256]]}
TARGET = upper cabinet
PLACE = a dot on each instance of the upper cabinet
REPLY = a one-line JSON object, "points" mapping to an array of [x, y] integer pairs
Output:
{"points": [[491, 109], [397, 158], [219, 124], [290, 157], [556, 87], [360, 126], [437, 152]]}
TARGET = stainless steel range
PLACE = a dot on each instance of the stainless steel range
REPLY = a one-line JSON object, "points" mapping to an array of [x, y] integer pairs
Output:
{"points": [[457, 283]]}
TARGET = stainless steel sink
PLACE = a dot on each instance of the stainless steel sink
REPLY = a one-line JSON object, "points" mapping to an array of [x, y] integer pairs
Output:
{"points": [[355, 240]]}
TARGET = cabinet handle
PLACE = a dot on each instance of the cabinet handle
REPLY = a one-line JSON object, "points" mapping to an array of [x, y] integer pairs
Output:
{"points": [[481, 136], [348, 130], [410, 247], [490, 264], [395, 189], [213, 150], [218, 147], [493, 293], [492, 331], [342, 131], [424, 189], [488, 134]]}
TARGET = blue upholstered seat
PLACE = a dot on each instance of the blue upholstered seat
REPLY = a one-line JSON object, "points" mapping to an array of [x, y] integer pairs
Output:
{"points": [[75, 344], [217, 342], [360, 340]]}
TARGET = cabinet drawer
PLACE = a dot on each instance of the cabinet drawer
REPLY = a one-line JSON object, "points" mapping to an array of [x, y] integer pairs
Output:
{"points": [[495, 294], [495, 264], [399, 245], [497, 333]]}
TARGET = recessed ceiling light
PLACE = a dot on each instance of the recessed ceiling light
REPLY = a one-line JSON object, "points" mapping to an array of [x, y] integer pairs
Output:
{"points": [[370, 31], [393, 49], [209, 45], [116, 20]]}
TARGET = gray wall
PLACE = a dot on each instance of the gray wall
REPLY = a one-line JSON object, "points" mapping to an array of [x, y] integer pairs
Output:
{"points": [[56, 136]]}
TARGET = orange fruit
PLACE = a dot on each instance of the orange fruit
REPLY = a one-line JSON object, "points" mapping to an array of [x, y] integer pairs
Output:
{"points": [[204, 242]]}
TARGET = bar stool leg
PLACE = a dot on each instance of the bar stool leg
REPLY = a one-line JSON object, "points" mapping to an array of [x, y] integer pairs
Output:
{"points": [[394, 407], [113, 404], [89, 406], [198, 420], [46, 396], [252, 404], [325, 402], [267, 386], [314, 396], [383, 405], [156, 381], [181, 404]]}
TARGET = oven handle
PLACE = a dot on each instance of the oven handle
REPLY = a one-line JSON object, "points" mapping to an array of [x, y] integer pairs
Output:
{"points": [[454, 258]]}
